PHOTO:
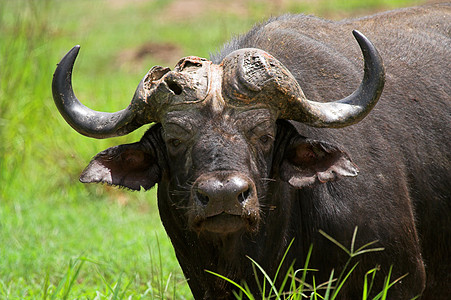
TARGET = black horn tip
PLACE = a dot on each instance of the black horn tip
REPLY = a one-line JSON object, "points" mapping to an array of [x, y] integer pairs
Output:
{"points": [[369, 51], [361, 38], [74, 51], [71, 55], [75, 48], [62, 79], [65, 65], [357, 34], [364, 43], [374, 65]]}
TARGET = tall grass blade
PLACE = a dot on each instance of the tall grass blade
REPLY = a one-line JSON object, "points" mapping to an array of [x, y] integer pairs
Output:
{"points": [[367, 289], [105, 282], [237, 295], [126, 288], [335, 242], [167, 283], [353, 238], [257, 280], [387, 285], [4, 290], [117, 288], [306, 263], [283, 259], [367, 245], [174, 288], [368, 251], [329, 285], [161, 288], [74, 277], [273, 287], [248, 294], [278, 270], [285, 279], [45, 288], [62, 281], [342, 282], [314, 293]]}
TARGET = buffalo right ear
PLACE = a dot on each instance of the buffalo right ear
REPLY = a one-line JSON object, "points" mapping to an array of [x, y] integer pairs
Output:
{"points": [[130, 166], [310, 162]]}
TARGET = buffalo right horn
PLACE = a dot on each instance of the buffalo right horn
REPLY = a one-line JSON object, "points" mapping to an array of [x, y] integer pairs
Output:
{"points": [[85, 120]]}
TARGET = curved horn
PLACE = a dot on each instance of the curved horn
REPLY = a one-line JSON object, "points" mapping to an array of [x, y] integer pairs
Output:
{"points": [[354, 107], [254, 76], [83, 119]]}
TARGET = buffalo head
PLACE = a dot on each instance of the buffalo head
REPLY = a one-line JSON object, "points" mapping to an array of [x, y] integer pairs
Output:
{"points": [[213, 148]]}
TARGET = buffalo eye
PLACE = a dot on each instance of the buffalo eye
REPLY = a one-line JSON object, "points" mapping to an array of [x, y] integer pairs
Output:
{"points": [[175, 142], [265, 139]]}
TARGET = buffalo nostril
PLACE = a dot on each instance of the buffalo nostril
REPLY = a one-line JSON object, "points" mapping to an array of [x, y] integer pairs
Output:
{"points": [[243, 196], [221, 193], [202, 197]]}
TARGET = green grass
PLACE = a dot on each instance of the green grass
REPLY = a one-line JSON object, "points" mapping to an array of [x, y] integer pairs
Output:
{"points": [[62, 239], [298, 288]]}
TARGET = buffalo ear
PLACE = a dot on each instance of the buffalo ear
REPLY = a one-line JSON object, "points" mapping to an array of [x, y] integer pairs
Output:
{"points": [[130, 166], [309, 162]]}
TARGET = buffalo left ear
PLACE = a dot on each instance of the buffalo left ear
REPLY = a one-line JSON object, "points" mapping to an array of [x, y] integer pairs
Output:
{"points": [[130, 166], [309, 162]]}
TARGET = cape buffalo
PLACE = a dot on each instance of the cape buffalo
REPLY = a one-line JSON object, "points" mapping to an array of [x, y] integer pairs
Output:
{"points": [[245, 162]]}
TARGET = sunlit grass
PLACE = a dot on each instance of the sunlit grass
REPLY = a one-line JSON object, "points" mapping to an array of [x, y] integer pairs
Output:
{"points": [[294, 285]]}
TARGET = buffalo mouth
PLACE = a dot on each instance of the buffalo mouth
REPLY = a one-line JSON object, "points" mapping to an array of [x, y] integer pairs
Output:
{"points": [[225, 223]]}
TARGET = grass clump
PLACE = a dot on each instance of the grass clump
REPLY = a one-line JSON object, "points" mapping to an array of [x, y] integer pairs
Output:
{"points": [[296, 283]]}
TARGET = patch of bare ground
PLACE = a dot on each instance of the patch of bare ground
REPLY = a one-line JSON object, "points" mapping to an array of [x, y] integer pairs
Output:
{"points": [[166, 54]]}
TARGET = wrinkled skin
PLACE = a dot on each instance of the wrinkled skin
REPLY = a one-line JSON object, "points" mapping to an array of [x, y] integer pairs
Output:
{"points": [[236, 181], [209, 152]]}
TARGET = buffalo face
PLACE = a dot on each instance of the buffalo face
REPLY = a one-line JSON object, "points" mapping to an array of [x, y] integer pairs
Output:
{"points": [[212, 151], [220, 159]]}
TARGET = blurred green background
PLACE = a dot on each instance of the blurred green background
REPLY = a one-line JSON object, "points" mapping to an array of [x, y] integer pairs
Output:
{"points": [[59, 238]]}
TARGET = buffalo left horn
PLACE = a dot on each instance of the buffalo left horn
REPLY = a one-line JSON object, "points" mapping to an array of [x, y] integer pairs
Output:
{"points": [[254, 76], [351, 109], [85, 120]]}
